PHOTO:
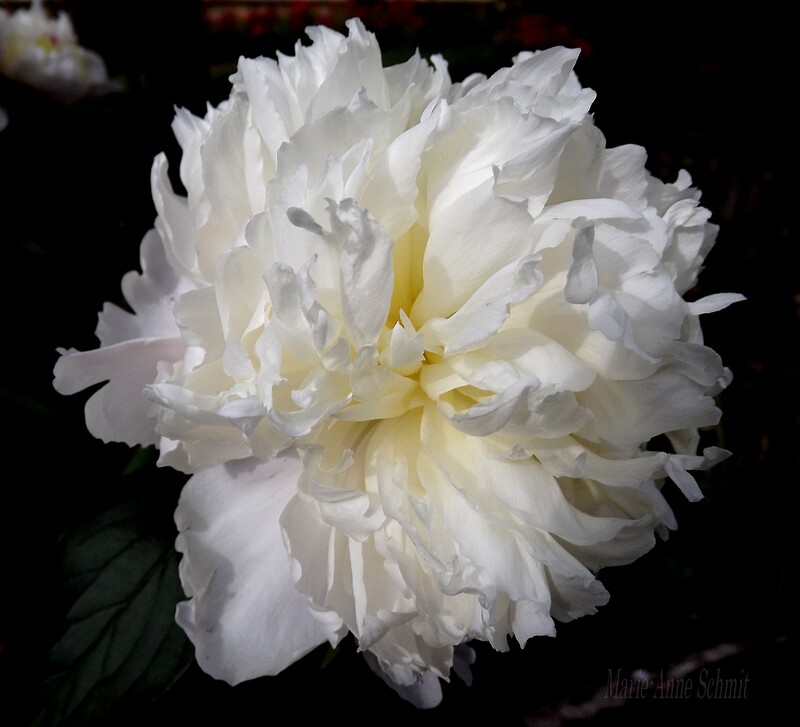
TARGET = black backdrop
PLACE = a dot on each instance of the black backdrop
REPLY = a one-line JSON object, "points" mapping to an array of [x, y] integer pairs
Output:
{"points": [[700, 90]]}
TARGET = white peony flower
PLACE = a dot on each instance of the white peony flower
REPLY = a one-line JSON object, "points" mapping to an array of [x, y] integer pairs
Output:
{"points": [[44, 53], [412, 338]]}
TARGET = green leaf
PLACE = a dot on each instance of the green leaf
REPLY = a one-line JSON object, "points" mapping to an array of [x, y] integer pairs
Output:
{"points": [[25, 403], [141, 458], [120, 646], [330, 655]]}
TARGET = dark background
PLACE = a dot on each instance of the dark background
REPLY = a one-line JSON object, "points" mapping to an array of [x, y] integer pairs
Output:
{"points": [[699, 90]]}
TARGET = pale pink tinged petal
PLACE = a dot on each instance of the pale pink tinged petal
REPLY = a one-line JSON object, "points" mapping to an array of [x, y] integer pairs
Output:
{"points": [[118, 412], [151, 294], [245, 617]]}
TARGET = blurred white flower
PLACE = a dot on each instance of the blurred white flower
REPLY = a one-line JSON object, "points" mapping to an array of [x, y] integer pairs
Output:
{"points": [[412, 337], [43, 52]]}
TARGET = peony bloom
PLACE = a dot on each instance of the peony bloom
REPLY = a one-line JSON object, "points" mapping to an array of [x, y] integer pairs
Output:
{"points": [[44, 53], [411, 338]]}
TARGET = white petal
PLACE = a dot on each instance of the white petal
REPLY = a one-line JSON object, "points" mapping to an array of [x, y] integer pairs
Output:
{"points": [[225, 180], [513, 562], [245, 617], [118, 412], [174, 222], [406, 349], [494, 413], [463, 658], [608, 317], [391, 191], [492, 232], [573, 598], [359, 66], [267, 95], [582, 275], [630, 412], [241, 299], [151, 294], [713, 303], [588, 170], [516, 352], [190, 131], [525, 409], [487, 308], [366, 273], [423, 694]]}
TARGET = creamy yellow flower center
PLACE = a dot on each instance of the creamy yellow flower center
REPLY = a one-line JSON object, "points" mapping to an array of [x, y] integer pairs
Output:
{"points": [[407, 256]]}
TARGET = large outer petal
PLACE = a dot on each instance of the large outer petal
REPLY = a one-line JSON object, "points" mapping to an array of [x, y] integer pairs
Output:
{"points": [[245, 617]]}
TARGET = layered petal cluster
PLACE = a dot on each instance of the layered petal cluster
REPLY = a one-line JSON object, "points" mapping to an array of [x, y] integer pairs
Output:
{"points": [[43, 52], [413, 338]]}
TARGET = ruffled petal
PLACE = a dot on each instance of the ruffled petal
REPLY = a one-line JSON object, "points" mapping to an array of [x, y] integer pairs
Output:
{"points": [[245, 617], [423, 694], [119, 411]]}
